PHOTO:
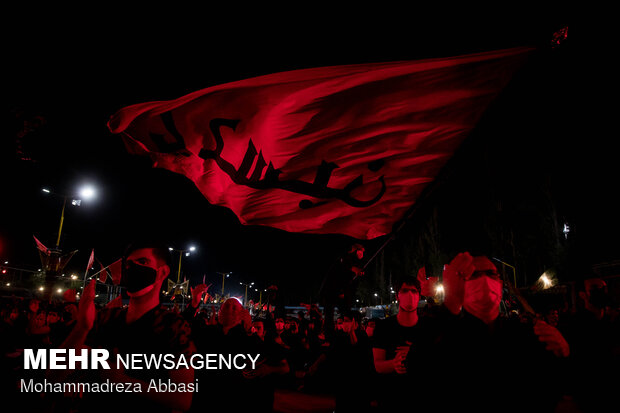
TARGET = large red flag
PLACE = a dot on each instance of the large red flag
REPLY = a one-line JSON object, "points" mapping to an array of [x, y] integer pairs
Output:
{"points": [[342, 149]]}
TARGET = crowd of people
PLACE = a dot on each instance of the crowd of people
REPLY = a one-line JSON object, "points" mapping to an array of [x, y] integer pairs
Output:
{"points": [[462, 353]]}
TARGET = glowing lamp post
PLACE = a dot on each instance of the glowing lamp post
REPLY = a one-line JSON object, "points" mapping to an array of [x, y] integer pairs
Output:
{"points": [[86, 193], [379, 297], [187, 253], [224, 276], [245, 300]]}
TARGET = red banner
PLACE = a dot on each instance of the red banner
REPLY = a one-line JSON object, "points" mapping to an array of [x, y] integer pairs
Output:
{"points": [[41, 247], [91, 260], [342, 149], [115, 271], [103, 272]]}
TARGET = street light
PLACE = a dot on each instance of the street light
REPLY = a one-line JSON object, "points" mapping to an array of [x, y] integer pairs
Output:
{"points": [[187, 254], [224, 276], [245, 300], [380, 298], [87, 192]]}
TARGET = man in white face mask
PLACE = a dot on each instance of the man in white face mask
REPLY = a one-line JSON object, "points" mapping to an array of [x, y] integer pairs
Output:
{"points": [[473, 284], [475, 341]]}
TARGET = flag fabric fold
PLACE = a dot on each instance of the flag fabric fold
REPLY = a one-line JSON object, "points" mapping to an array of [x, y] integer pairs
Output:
{"points": [[41, 247], [340, 149], [115, 271], [115, 303], [91, 260], [103, 272]]}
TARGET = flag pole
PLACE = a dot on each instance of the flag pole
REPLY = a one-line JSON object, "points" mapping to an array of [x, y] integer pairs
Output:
{"points": [[84, 281], [558, 38], [101, 270], [412, 211], [62, 219]]}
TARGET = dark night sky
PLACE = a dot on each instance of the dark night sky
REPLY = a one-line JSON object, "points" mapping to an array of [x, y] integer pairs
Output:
{"points": [[76, 76]]}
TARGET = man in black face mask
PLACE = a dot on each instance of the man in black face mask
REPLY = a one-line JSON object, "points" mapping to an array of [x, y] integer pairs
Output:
{"points": [[143, 327]]}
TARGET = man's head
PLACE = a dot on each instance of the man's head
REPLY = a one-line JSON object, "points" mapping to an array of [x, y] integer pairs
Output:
{"points": [[594, 293], [52, 317], [552, 317], [230, 313], [145, 267], [33, 305], [14, 314], [69, 312], [408, 294], [258, 328], [483, 290], [279, 322], [41, 318], [293, 326], [370, 327], [351, 321], [357, 250]]}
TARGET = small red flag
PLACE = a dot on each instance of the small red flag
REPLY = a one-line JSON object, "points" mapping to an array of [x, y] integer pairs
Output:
{"points": [[341, 149], [91, 260], [115, 271], [41, 247], [103, 272]]}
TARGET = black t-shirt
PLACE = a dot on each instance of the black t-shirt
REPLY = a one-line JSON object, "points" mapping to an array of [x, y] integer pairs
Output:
{"points": [[159, 331], [389, 335], [473, 366], [392, 390], [595, 359]]}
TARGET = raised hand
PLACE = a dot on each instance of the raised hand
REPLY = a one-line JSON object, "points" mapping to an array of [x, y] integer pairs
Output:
{"points": [[428, 286], [552, 337], [86, 307], [401, 356], [197, 293], [454, 276]]}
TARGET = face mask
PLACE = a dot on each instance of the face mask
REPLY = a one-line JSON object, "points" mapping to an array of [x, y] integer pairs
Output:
{"points": [[346, 327], [408, 301], [137, 277], [599, 298], [482, 298]]}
